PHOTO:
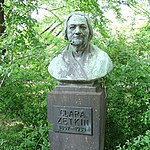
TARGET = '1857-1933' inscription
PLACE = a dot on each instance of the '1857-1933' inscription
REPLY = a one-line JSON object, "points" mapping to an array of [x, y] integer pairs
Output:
{"points": [[76, 120]]}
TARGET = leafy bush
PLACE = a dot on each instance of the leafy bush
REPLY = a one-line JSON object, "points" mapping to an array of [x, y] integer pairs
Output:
{"points": [[140, 142], [25, 80], [128, 91]]}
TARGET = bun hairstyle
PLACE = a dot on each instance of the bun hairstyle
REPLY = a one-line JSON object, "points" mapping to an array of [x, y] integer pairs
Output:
{"points": [[88, 23]]}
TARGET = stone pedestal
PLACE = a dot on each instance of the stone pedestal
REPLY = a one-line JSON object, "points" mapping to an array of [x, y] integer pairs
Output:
{"points": [[78, 117]]}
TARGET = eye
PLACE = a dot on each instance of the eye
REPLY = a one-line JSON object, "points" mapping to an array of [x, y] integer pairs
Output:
{"points": [[83, 27], [72, 27]]}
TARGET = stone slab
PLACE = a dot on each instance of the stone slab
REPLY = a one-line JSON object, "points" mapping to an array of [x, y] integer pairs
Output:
{"points": [[78, 117]]}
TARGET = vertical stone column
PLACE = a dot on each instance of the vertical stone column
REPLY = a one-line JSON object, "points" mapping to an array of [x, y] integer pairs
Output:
{"points": [[77, 114]]}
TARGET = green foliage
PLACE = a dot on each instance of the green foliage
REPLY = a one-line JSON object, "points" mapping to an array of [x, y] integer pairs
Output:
{"points": [[140, 142], [127, 87], [27, 46], [24, 81]]}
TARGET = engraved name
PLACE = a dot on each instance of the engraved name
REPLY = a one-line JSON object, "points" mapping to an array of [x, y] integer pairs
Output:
{"points": [[73, 120]]}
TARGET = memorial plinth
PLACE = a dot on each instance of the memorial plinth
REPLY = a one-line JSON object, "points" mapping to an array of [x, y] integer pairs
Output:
{"points": [[77, 113]]}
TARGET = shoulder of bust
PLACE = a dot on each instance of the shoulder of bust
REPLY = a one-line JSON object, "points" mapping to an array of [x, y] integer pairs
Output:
{"points": [[98, 51]]}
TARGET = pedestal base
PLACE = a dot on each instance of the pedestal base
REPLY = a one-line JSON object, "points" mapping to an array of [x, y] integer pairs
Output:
{"points": [[78, 117]]}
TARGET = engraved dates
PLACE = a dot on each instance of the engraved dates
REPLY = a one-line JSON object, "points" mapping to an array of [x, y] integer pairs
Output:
{"points": [[76, 120]]}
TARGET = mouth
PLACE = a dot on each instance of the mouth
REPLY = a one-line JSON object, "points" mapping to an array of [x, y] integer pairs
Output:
{"points": [[77, 38]]}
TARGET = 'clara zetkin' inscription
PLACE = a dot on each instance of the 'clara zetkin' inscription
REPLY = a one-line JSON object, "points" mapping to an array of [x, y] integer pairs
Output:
{"points": [[77, 120]]}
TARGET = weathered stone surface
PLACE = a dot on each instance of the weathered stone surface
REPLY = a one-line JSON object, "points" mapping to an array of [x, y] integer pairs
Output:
{"points": [[70, 119], [79, 60], [85, 106]]}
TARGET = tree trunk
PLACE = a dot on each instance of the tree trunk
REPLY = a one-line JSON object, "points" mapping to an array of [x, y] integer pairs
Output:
{"points": [[2, 28]]}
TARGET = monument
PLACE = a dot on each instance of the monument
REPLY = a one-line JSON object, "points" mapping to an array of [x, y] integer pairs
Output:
{"points": [[76, 108]]}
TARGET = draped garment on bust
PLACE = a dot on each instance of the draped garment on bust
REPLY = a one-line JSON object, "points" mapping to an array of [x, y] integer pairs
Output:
{"points": [[92, 64]]}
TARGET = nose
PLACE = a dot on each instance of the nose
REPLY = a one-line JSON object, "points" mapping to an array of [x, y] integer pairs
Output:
{"points": [[78, 30]]}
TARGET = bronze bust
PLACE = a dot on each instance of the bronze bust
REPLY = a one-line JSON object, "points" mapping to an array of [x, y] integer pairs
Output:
{"points": [[80, 61]]}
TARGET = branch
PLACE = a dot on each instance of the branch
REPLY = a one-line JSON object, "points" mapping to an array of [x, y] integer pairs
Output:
{"points": [[47, 28], [55, 27], [141, 10], [51, 29], [26, 56], [3, 80], [58, 33], [51, 11]]}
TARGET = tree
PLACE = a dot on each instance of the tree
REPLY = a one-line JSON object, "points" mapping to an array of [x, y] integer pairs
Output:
{"points": [[30, 44], [1, 17]]}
